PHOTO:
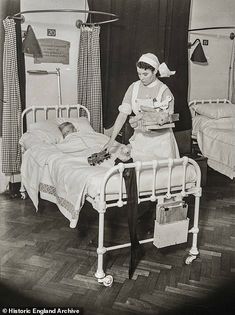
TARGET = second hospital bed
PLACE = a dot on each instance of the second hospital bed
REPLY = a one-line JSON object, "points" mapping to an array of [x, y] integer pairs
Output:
{"points": [[59, 171], [213, 128]]}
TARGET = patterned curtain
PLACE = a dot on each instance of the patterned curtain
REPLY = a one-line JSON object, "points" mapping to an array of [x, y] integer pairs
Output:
{"points": [[11, 131], [89, 74], [233, 74]]}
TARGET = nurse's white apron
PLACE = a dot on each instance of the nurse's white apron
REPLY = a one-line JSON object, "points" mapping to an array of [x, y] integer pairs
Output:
{"points": [[152, 145]]}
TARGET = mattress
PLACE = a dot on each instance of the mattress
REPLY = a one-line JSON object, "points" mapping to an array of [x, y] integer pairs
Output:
{"points": [[62, 174], [216, 140], [197, 124]]}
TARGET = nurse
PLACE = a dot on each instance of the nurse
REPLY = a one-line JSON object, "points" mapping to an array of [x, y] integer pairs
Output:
{"points": [[148, 93]]}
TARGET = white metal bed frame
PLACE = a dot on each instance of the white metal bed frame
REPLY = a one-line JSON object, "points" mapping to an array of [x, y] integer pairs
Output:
{"points": [[206, 101], [193, 114], [100, 202]]}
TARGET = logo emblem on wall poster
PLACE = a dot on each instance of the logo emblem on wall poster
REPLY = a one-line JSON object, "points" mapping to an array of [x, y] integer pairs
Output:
{"points": [[53, 51]]}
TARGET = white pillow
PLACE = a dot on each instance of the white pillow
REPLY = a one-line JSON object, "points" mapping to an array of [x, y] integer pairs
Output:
{"points": [[215, 110], [48, 131], [34, 137]]}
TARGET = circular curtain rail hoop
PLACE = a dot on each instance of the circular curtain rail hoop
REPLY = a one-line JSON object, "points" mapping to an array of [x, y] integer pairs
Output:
{"points": [[115, 18]]}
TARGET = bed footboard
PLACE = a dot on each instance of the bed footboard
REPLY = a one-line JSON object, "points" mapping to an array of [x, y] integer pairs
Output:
{"points": [[154, 195]]}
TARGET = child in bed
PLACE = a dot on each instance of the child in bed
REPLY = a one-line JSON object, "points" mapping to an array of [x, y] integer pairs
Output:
{"points": [[66, 128], [121, 152]]}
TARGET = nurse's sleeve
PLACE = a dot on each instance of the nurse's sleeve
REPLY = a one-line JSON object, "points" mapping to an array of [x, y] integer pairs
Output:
{"points": [[166, 93], [126, 107]]}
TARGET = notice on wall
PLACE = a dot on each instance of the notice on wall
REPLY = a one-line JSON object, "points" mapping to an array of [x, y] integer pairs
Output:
{"points": [[53, 51]]}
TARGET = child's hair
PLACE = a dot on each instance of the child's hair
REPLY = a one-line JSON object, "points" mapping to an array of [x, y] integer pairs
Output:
{"points": [[65, 124]]}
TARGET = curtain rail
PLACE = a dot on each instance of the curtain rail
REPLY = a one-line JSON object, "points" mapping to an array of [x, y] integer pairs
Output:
{"points": [[211, 28], [115, 18]]}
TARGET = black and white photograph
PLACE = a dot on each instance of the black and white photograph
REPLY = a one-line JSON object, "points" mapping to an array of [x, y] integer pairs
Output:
{"points": [[117, 157]]}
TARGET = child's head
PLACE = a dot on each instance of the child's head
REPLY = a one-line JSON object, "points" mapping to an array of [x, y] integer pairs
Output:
{"points": [[67, 128]]}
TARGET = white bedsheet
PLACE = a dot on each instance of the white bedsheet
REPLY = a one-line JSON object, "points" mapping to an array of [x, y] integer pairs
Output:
{"points": [[62, 174], [216, 140]]}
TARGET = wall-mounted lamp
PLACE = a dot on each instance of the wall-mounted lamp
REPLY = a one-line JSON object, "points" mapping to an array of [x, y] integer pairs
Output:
{"points": [[30, 44], [198, 54]]}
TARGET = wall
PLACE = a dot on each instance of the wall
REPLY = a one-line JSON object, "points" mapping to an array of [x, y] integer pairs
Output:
{"points": [[211, 81], [43, 89]]}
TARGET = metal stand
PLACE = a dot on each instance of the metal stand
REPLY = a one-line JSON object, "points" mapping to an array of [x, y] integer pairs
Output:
{"points": [[57, 72]]}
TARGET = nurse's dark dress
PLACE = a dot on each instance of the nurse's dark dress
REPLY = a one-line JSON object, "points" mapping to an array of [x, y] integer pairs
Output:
{"points": [[150, 145]]}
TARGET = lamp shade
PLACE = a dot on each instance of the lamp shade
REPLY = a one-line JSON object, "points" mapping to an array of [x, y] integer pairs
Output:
{"points": [[198, 54], [30, 44]]}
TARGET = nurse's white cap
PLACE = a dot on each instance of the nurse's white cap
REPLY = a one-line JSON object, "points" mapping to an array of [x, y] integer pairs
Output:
{"points": [[153, 61], [150, 59]]}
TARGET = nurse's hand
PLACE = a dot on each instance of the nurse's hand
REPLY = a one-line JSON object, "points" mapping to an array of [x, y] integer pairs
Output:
{"points": [[134, 120], [108, 146]]}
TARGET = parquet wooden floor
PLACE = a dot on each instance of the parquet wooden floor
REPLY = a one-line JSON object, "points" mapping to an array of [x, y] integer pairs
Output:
{"points": [[45, 262]]}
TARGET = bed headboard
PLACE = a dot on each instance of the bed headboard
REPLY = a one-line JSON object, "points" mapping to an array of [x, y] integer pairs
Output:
{"points": [[209, 101], [53, 111], [206, 101]]}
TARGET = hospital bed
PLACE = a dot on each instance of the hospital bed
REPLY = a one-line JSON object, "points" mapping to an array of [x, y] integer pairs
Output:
{"points": [[59, 171], [213, 129]]}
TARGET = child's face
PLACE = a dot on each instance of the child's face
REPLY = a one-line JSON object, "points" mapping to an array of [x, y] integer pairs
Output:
{"points": [[67, 130]]}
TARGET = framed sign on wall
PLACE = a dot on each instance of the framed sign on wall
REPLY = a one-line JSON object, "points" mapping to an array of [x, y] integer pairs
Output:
{"points": [[53, 51]]}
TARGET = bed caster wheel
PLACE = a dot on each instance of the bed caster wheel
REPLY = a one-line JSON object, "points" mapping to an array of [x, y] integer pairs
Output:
{"points": [[190, 259], [106, 281], [24, 195]]}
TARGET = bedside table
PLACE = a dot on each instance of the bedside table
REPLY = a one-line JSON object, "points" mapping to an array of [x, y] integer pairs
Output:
{"points": [[202, 162]]}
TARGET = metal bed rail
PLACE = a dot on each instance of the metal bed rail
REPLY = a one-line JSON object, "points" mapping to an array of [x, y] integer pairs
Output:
{"points": [[153, 196], [208, 101], [58, 109]]}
